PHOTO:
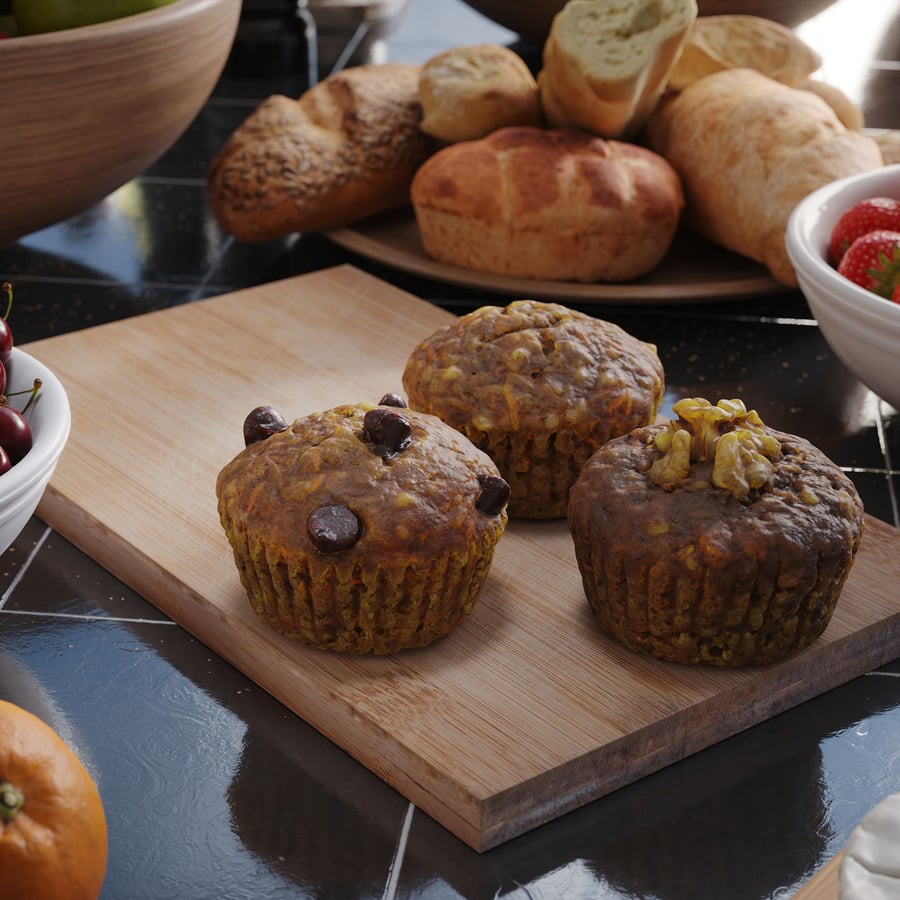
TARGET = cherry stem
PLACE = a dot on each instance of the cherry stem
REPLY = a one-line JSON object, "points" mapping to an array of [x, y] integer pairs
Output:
{"points": [[7, 289], [33, 391]]}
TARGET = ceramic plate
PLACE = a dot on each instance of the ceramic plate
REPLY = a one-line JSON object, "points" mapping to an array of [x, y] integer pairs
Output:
{"points": [[693, 271]]}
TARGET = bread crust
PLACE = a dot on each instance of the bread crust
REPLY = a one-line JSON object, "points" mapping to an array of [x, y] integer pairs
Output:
{"points": [[715, 43], [555, 204], [468, 92], [850, 114], [748, 149], [345, 150], [889, 143], [605, 65]]}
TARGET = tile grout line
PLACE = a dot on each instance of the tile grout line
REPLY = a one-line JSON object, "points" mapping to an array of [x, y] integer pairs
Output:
{"points": [[86, 617], [25, 566], [884, 445], [207, 278], [390, 889], [136, 620]]}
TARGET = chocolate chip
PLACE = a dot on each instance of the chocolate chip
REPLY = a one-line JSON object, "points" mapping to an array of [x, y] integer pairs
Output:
{"points": [[494, 495], [387, 430], [333, 527], [392, 400], [261, 423]]}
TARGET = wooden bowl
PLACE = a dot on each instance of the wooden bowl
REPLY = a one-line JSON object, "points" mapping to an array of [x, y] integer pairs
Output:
{"points": [[84, 110], [531, 19]]}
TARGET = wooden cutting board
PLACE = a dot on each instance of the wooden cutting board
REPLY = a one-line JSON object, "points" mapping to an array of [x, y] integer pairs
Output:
{"points": [[825, 884], [526, 711]]}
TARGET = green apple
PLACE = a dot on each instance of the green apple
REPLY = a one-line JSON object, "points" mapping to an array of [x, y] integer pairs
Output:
{"points": [[8, 25], [37, 16]]}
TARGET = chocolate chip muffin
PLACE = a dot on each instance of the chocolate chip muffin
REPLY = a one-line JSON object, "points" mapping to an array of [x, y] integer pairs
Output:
{"points": [[539, 387], [714, 539], [365, 528]]}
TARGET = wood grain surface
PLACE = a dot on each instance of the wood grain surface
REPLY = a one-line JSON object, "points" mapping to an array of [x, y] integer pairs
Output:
{"points": [[825, 884], [526, 711]]}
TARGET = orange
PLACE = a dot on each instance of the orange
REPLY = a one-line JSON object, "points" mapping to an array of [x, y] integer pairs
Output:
{"points": [[53, 839]]}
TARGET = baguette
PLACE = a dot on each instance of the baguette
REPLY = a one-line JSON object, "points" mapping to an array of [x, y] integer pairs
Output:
{"points": [[606, 62], [850, 114], [345, 150], [715, 43], [748, 149], [889, 142]]}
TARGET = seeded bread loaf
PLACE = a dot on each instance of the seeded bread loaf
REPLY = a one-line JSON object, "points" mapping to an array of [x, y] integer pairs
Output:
{"points": [[347, 149], [547, 203], [748, 149], [606, 62], [468, 92]]}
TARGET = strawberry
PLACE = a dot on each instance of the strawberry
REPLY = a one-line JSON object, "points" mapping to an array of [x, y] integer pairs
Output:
{"points": [[873, 262], [874, 214], [895, 297]]}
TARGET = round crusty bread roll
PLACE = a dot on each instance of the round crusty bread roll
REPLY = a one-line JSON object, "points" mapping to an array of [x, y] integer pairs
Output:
{"points": [[722, 42], [606, 62], [468, 92], [546, 203], [347, 149]]}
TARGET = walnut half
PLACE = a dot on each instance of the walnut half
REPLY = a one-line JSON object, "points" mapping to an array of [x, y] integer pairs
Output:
{"points": [[727, 434]]}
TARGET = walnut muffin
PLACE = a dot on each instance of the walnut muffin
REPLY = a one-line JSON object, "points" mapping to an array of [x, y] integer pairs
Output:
{"points": [[713, 538], [364, 528], [539, 387]]}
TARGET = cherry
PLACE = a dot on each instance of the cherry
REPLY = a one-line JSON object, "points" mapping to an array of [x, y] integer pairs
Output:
{"points": [[6, 337], [5, 464], [2, 378], [15, 432]]}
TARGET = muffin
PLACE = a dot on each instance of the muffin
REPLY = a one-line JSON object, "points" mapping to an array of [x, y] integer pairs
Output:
{"points": [[539, 387], [714, 539], [364, 528]]}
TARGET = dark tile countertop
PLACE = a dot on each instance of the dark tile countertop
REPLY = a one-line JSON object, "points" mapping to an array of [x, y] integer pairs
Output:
{"points": [[213, 789]]}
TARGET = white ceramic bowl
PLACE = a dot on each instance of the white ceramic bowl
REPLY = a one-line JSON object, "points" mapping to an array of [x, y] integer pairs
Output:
{"points": [[862, 328], [22, 487]]}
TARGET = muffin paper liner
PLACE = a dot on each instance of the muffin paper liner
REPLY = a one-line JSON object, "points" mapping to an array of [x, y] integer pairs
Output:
{"points": [[352, 608]]}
